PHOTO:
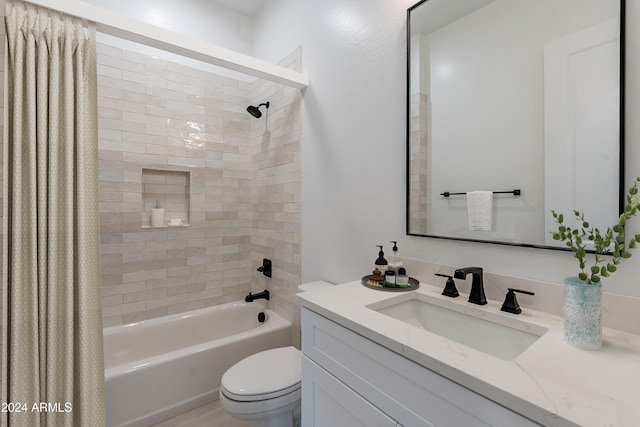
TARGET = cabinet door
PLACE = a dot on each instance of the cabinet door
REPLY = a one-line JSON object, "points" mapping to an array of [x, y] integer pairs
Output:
{"points": [[327, 402]]}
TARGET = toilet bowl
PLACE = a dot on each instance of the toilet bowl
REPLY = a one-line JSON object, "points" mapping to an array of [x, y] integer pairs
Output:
{"points": [[265, 388]]}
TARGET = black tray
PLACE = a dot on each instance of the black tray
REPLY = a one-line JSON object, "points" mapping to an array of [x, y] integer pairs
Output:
{"points": [[413, 285]]}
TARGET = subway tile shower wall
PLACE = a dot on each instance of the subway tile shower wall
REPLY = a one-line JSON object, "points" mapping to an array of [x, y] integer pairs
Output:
{"points": [[244, 189]]}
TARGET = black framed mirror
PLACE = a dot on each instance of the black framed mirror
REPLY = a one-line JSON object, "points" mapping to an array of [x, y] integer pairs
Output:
{"points": [[520, 98]]}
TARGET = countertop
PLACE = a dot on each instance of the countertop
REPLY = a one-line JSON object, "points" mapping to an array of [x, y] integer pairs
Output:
{"points": [[551, 382]]}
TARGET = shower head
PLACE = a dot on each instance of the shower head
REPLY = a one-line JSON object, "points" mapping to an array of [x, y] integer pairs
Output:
{"points": [[255, 111]]}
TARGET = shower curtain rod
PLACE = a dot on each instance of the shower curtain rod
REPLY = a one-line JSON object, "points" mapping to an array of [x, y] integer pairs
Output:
{"points": [[115, 24]]}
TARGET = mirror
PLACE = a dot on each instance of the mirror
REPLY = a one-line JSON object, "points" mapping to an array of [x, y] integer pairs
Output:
{"points": [[507, 95]]}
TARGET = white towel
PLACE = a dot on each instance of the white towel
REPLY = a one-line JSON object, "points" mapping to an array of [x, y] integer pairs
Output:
{"points": [[479, 210]]}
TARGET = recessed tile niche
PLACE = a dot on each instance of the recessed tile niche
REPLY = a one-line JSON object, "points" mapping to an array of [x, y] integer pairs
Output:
{"points": [[171, 190]]}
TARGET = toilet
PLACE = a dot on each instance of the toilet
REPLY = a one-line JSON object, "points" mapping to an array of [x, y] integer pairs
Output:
{"points": [[265, 388]]}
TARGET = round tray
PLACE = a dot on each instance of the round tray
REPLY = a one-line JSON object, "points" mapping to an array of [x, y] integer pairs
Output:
{"points": [[413, 285]]}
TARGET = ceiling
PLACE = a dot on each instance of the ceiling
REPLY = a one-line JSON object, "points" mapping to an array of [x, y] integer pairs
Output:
{"points": [[245, 7]]}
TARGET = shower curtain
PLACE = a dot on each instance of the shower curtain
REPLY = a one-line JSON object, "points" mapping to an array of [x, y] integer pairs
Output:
{"points": [[52, 361]]}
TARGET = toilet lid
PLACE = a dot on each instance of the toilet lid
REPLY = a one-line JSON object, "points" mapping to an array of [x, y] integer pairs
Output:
{"points": [[264, 375]]}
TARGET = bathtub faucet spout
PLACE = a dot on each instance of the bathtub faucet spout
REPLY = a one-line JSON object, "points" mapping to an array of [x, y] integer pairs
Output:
{"points": [[264, 294]]}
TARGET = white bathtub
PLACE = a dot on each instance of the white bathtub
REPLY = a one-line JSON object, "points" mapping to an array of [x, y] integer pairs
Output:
{"points": [[158, 368]]}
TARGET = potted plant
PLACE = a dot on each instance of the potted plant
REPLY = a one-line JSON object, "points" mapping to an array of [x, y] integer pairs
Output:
{"points": [[583, 294]]}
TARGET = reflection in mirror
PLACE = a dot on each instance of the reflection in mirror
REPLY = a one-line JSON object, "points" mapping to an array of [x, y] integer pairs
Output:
{"points": [[513, 94]]}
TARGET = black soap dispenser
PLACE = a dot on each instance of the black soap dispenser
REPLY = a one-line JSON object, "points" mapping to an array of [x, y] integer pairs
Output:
{"points": [[381, 263]]}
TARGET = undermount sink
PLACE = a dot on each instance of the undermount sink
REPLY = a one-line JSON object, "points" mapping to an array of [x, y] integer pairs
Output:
{"points": [[491, 333]]}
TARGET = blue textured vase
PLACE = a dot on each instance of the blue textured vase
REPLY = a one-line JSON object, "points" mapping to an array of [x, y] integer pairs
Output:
{"points": [[582, 312]]}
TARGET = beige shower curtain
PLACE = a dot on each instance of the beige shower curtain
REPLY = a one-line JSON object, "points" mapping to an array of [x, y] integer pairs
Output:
{"points": [[52, 362]]}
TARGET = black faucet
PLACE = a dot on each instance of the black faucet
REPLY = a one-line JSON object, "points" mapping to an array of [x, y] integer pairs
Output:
{"points": [[251, 297], [476, 296]]}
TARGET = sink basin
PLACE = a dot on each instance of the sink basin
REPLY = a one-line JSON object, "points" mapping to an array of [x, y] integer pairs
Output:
{"points": [[491, 333]]}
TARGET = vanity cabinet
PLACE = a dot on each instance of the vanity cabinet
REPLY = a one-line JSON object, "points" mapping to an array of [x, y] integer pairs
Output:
{"points": [[349, 380], [335, 404]]}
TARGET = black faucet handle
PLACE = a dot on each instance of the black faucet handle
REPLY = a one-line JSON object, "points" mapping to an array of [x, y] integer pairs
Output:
{"points": [[450, 289], [265, 268], [520, 291], [510, 304]]}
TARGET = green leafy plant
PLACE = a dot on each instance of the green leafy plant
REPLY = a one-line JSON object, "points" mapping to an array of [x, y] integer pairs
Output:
{"points": [[613, 239]]}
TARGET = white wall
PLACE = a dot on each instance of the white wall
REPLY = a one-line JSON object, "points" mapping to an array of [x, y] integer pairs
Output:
{"points": [[202, 19], [198, 18], [353, 141]]}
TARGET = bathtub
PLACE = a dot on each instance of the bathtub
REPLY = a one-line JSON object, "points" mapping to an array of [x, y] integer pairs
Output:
{"points": [[158, 368]]}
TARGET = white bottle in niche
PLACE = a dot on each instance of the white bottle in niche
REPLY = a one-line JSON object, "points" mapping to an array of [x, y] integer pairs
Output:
{"points": [[157, 216]]}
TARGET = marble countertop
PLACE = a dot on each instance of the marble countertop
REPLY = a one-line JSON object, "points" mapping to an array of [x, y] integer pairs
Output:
{"points": [[551, 382]]}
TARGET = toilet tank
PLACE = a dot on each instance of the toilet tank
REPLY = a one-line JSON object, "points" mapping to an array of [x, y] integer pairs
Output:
{"points": [[312, 286]]}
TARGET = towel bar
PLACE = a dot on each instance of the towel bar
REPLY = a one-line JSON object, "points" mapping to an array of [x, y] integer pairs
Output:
{"points": [[514, 192]]}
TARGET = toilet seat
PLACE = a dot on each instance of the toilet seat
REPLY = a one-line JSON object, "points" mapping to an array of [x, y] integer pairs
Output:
{"points": [[263, 396], [265, 375]]}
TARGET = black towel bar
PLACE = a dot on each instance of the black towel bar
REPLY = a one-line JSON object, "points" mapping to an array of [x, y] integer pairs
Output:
{"points": [[514, 192]]}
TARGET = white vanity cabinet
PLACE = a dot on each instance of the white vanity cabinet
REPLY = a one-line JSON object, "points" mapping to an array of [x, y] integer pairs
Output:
{"points": [[334, 404], [349, 380]]}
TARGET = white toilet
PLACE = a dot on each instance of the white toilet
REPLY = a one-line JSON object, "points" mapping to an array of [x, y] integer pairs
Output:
{"points": [[264, 388]]}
